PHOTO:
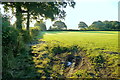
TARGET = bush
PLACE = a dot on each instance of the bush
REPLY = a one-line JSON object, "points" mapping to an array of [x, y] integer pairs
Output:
{"points": [[26, 36], [5, 21], [15, 50], [13, 45], [14, 39], [41, 25], [34, 31], [9, 36]]}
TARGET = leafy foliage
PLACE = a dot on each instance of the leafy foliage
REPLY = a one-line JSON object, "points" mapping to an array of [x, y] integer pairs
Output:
{"points": [[40, 25], [5, 21], [58, 25], [34, 31], [87, 50], [35, 10], [26, 36], [13, 46], [82, 25], [15, 57], [105, 25]]}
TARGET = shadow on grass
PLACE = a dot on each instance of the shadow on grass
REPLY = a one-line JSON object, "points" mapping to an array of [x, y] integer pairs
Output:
{"points": [[42, 33]]}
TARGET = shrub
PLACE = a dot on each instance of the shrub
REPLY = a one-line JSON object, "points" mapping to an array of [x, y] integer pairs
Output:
{"points": [[14, 40], [34, 31], [5, 21], [9, 36], [13, 45], [26, 36], [41, 25], [14, 50]]}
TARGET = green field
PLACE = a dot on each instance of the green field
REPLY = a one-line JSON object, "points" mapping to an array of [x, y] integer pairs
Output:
{"points": [[107, 40], [92, 54]]}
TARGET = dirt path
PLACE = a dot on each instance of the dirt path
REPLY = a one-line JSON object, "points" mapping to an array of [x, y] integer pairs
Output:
{"points": [[85, 63]]}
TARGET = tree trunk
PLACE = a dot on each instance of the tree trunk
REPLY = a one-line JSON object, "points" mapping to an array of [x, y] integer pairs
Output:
{"points": [[28, 20], [19, 17]]}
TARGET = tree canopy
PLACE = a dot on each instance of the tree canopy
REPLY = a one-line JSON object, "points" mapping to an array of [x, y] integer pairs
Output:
{"points": [[37, 10], [59, 25], [97, 25], [5, 21], [40, 25], [105, 25], [82, 25]]}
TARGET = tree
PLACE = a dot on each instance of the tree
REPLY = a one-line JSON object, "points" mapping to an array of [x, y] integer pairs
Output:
{"points": [[36, 10], [5, 21], [97, 25], [105, 25], [115, 25], [82, 25], [23, 25], [50, 27], [59, 25], [40, 25]]}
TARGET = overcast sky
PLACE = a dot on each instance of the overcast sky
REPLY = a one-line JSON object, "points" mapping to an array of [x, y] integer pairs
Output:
{"points": [[89, 11]]}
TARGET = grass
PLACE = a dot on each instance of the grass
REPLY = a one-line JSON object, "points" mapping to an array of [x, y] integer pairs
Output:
{"points": [[107, 40], [98, 50]]}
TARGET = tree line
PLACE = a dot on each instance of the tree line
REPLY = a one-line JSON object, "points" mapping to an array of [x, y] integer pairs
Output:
{"points": [[96, 25], [100, 25]]}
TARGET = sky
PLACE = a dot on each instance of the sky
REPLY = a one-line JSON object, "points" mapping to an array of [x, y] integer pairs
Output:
{"points": [[87, 11]]}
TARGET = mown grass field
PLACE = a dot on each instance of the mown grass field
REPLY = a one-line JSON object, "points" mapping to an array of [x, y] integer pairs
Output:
{"points": [[107, 40], [93, 54]]}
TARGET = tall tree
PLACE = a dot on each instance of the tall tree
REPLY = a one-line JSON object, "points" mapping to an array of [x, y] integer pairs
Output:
{"points": [[115, 25], [40, 25], [82, 25], [105, 25], [59, 25], [36, 10], [97, 25]]}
